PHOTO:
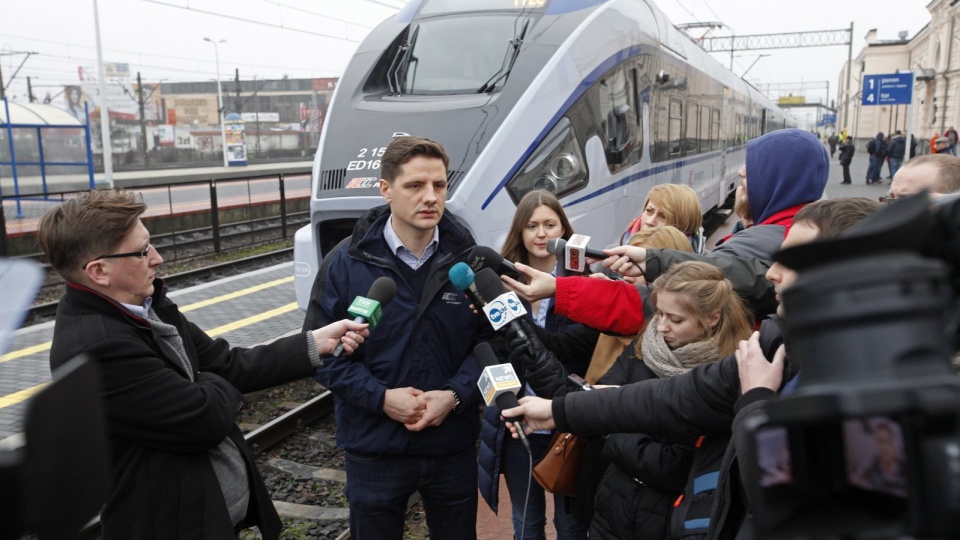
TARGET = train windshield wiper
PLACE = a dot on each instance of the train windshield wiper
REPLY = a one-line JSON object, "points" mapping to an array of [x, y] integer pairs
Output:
{"points": [[398, 68], [513, 50]]}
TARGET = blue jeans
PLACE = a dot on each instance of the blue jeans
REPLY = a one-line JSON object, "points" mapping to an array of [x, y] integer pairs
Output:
{"points": [[378, 489], [894, 166], [873, 170], [515, 466]]}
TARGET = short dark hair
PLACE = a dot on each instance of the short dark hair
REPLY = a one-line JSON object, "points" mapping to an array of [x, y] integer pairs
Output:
{"points": [[79, 229], [403, 149], [832, 217]]}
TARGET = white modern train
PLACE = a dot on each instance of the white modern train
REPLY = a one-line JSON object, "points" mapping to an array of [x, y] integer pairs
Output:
{"points": [[595, 100]]}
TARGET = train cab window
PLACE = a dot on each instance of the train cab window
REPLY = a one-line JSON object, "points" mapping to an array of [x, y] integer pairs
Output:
{"points": [[451, 55], [673, 126], [691, 142], [618, 105]]}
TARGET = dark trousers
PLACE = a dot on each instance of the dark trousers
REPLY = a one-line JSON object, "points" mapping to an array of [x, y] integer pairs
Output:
{"points": [[846, 173], [378, 489]]}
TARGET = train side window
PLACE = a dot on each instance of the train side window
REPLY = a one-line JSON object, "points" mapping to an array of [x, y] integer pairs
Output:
{"points": [[715, 129], [617, 105], [673, 126], [691, 143], [705, 130]]}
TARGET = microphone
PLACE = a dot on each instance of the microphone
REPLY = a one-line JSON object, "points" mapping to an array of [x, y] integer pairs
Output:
{"points": [[574, 251], [462, 278], [504, 308], [481, 257], [369, 309], [499, 385]]}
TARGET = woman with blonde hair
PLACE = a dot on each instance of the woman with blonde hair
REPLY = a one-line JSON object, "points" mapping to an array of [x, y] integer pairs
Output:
{"points": [[671, 204], [699, 319]]}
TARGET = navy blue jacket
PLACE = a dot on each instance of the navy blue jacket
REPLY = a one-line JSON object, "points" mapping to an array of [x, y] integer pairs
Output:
{"points": [[493, 429], [425, 343]]}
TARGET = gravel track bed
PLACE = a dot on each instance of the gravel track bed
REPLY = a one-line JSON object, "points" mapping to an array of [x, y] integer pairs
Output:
{"points": [[313, 445]]}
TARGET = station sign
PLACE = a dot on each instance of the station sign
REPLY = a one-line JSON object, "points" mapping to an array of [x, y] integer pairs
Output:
{"points": [[890, 89], [828, 119]]}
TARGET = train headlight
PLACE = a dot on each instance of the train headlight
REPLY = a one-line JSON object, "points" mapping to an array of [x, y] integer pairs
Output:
{"points": [[556, 165]]}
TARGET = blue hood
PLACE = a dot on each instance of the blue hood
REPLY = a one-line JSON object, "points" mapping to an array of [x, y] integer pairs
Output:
{"points": [[785, 168]]}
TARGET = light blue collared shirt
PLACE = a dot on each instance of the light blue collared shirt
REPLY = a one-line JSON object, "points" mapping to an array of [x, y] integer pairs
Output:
{"points": [[140, 310], [403, 252]]}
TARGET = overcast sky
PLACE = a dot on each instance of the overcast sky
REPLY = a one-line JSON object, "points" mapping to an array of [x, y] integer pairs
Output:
{"points": [[163, 39]]}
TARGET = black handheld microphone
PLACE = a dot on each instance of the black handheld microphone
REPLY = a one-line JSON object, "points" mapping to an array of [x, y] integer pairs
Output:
{"points": [[499, 385], [504, 308], [481, 257], [369, 309]]}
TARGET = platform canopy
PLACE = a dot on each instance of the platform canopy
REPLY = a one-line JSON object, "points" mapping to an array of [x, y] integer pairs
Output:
{"points": [[37, 114]]}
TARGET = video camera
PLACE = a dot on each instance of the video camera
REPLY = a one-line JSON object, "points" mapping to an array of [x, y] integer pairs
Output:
{"points": [[868, 446], [55, 482]]}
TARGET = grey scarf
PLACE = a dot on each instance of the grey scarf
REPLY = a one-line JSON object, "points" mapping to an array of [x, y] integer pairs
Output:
{"points": [[666, 363]]}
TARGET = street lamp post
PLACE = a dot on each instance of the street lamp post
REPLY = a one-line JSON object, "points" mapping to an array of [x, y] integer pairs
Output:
{"points": [[223, 131]]}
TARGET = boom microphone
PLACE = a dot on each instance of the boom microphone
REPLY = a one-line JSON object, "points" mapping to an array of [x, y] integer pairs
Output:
{"points": [[369, 309], [504, 308], [481, 257], [499, 385]]}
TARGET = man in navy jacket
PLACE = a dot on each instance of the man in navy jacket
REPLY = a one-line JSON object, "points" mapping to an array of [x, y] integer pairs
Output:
{"points": [[407, 401]]}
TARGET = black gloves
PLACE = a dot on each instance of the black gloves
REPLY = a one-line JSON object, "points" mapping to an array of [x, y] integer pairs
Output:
{"points": [[541, 369]]}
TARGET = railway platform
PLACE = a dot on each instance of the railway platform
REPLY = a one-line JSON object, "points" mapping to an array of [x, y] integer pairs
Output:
{"points": [[259, 305]]}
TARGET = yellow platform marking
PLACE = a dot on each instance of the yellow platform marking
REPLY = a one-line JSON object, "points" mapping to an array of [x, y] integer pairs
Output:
{"points": [[17, 397]]}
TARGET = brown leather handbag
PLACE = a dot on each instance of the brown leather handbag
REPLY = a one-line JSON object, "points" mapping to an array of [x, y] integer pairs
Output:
{"points": [[559, 469]]}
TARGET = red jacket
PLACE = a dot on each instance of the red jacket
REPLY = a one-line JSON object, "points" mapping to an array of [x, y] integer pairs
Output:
{"points": [[620, 312]]}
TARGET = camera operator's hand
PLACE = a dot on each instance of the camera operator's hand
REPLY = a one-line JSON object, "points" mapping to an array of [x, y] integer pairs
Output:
{"points": [[755, 370]]}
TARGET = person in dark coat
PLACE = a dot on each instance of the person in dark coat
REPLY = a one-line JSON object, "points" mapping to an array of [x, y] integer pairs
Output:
{"points": [[877, 149], [895, 152], [846, 156], [703, 401], [406, 406], [180, 466], [832, 140], [539, 217]]}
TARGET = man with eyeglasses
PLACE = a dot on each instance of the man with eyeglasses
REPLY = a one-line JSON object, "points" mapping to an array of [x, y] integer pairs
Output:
{"points": [[939, 173], [180, 465]]}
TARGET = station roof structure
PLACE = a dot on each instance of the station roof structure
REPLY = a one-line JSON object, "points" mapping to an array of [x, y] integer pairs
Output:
{"points": [[37, 114]]}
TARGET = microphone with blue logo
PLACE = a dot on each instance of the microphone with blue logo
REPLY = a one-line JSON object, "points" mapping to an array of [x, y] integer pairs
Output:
{"points": [[369, 309], [505, 307], [462, 277]]}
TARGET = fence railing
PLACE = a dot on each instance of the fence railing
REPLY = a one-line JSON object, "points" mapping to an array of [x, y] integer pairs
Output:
{"points": [[186, 220]]}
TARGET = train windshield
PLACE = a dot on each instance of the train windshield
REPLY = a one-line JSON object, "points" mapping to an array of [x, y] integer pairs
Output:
{"points": [[434, 7], [461, 55]]}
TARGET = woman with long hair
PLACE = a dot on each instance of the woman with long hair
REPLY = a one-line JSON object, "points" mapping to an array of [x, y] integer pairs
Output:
{"points": [[539, 218], [698, 319], [671, 204]]}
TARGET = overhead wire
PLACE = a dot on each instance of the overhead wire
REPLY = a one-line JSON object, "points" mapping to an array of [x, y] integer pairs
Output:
{"points": [[251, 21]]}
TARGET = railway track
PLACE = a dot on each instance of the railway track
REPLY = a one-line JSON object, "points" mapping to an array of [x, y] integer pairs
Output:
{"points": [[271, 434]]}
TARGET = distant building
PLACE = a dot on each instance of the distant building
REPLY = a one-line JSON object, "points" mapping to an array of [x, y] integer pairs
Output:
{"points": [[933, 55]]}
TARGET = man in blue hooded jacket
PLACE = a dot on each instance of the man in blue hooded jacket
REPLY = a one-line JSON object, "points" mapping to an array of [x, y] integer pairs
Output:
{"points": [[406, 405], [788, 168]]}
